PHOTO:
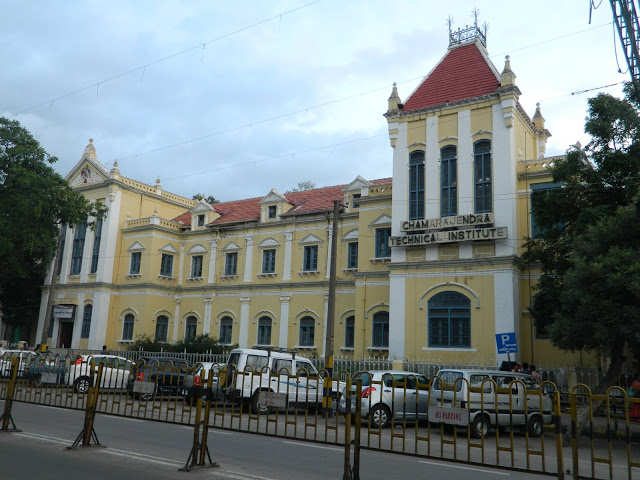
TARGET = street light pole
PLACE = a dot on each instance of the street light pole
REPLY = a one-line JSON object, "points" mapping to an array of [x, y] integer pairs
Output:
{"points": [[331, 308]]}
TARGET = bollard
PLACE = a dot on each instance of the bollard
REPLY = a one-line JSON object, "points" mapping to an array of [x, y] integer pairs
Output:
{"points": [[6, 417], [88, 432]]}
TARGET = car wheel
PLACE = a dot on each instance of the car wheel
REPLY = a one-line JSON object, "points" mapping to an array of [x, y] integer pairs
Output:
{"points": [[259, 409], [81, 385], [535, 426], [480, 426], [36, 380], [380, 416]]}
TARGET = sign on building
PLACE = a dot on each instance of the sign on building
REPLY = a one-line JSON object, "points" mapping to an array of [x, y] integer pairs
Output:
{"points": [[63, 311]]}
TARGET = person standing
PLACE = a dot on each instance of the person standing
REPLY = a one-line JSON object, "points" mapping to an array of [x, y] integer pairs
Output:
{"points": [[535, 373], [634, 413]]}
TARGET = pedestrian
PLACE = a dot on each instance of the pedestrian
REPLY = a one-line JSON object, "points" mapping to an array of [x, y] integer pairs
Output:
{"points": [[535, 373], [525, 368], [517, 367], [634, 413], [104, 349]]}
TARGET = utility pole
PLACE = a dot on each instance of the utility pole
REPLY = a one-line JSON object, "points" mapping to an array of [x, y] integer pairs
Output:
{"points": [[52, 290], [331, 310]]}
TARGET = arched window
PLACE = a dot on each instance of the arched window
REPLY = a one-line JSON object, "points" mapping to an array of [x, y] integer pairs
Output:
{"points": [[86, 321], [226, 328], [380, 330], [448, 182], [307, 332], [190, 328], [127, 327], [349, 332], [482, 175], [416, 185], [162, 328], [264, 331], [450, 320]]}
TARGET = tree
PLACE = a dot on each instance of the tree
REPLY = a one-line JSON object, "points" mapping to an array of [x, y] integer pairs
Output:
{"points": [[302, 186], [34, 202], [208, 198], [589, 244]]}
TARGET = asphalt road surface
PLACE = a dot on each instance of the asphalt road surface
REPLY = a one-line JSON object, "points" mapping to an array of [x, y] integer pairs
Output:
{"points": [[142, 449]]}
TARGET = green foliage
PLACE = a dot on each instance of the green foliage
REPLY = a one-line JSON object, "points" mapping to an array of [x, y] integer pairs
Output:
{"points": [[210, 199], [34, 202], [199, 344], [302, 186], [589, 248]]}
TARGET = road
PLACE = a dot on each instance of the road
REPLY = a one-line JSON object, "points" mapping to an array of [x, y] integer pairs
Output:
{"points": [[141, 449]]}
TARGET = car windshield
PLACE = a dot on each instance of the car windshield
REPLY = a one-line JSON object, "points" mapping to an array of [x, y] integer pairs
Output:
{"points": [[234, 358], [364, 376], [448, 378]]}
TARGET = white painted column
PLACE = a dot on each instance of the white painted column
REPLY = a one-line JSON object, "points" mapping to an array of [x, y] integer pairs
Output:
{"points": [[284, 321], [325, 316], [288, 252], [399, 193], [43, 304], [397, 295], [206, 327], [248, 259], [99, 320], [176, 319], [504, 179], [507, 306], [465, 175], [66, 256], [243, 335], [432, 180], [86, 254], [110, 230], [181, 262], [330, 232], [77, 321], [213, 255]]}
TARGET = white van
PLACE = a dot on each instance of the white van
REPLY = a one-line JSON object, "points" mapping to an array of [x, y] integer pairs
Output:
{"points": [[487, 399], [277, 375]]}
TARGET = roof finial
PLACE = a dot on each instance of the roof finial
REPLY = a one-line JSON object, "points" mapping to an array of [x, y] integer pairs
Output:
{"points": [[394, 99], [507, 77]]}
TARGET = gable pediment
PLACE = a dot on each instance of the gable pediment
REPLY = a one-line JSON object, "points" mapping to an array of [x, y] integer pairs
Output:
{"points": [[231, 247], [201, 207], [87, 173], [351, 235], [168, 248], [135, 247], [358, 184], [310, 239], [274, 196], [269, 242], [197, 249], [383, 219]]}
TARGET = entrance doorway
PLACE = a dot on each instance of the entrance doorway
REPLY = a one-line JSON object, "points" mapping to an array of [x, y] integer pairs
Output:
{"points": [[65, 334]]}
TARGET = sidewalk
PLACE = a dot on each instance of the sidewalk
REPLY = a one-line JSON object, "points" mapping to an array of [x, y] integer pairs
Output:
{"points": [[617, 427]]}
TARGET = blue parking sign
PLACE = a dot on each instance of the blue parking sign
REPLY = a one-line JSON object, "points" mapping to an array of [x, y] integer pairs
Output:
{"points": [[506, 342]]}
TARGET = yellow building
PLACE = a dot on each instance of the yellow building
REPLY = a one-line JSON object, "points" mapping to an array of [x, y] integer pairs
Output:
{"points": [[428, 262]]}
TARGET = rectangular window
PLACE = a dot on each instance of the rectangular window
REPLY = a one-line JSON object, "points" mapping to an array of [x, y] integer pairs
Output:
{"points": [[134, 268], [356, 200], [482, 176], [271, 211], [349, 332], [383, 250], [231, 264], [162, 328], [448, 182], [166, 265], [78, 247], [127, 329], [96, 247], [196, 266], [201, 220], [310, 261], [352, 255], [190, 328], [269, 261], [539, 190], [86, 321], [416, 185]]}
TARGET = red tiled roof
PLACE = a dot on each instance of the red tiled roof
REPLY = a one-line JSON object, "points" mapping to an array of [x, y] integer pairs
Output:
{"points": [[318, 199], [463, 73]]}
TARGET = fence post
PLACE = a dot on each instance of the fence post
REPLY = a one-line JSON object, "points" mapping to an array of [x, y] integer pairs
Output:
{"points": [[8, 403], [88, 432], [574, 432], [199, 446], [347, 431], [355, 472]]}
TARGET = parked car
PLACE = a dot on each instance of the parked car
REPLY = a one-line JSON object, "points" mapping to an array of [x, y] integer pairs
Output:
{"points": [[47, 369], [293, 380], [6, 357], [197, 383], [165, 376], [115, 372], [388, 394], [491, 408]]}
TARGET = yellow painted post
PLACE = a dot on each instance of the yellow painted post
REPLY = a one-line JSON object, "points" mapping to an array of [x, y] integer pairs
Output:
{"points": [[88, 431], [355, 472], [574, 433], [557, 415], [347, 432], [8, 403]]}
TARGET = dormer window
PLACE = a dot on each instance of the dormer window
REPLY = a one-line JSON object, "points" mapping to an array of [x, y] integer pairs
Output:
{"points": [[271, 211], [201, 220]]}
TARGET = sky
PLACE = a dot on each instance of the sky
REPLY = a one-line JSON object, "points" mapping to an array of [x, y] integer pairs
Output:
{"points": [[232, 99]]}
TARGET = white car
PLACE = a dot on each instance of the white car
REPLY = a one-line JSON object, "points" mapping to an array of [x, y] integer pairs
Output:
{"points": [[388, 394], [115, 372], [26, 357]]}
